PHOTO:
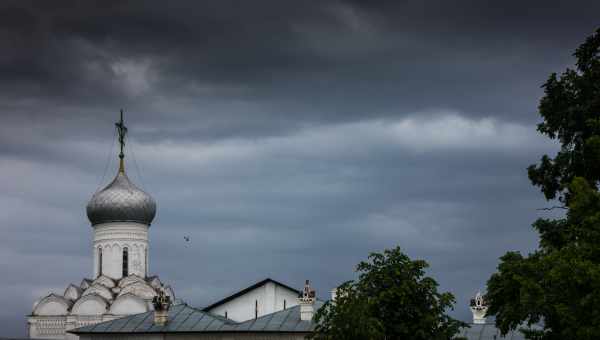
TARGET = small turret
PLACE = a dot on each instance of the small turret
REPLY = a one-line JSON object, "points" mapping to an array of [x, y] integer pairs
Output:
{"points": [[161, 303], [479, 307], [306, 300]]}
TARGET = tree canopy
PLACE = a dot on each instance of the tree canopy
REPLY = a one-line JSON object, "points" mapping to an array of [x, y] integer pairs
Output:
{"points": [[392, 299], [570, 110], [557, 286]]}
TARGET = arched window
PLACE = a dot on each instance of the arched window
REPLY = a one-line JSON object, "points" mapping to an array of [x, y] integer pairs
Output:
{"points": [[125, 262], [100, 261]]}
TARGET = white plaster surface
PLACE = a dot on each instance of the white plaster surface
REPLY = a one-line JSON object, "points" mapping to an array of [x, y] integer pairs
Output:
{"points": [[270, 297]]}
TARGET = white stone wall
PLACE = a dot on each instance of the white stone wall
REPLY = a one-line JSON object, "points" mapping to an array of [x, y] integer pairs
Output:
{"points": [[270, 297], [46, 327], [112, 238]]}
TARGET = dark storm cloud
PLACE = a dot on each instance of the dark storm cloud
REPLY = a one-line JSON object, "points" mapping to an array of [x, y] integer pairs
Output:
{"points": [[288, 139], [335, 59]]}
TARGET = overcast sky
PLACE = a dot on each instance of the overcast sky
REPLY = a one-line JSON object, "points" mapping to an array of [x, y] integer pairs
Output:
{"points": [[287, 139]]}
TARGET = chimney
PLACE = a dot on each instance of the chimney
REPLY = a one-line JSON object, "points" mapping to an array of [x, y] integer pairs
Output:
{"points": [[162, 303], [479, 308], [306, 301]]}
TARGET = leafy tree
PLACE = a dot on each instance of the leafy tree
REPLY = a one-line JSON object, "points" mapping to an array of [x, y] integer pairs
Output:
{"points": [[392, 299], [557, 287], [571, 112]]}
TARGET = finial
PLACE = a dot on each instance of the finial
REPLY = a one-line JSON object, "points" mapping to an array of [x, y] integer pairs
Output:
{"points": [[162, 304], [122, 130], [306, 301], [479, 307]]}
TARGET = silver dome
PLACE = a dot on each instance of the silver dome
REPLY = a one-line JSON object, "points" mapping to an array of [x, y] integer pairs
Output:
{"points": [[121, 201]]}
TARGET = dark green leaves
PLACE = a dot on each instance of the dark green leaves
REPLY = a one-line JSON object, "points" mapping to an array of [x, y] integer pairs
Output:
{"points": [[571, 112], [392, 299], [558, 286]]}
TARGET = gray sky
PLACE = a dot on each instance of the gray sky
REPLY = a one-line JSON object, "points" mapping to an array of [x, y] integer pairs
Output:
{"points": [[287, 139]]}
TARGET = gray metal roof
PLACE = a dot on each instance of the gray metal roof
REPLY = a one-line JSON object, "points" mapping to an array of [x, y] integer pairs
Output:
{"points": [[287, 320], [186, 319], [121, 201]]}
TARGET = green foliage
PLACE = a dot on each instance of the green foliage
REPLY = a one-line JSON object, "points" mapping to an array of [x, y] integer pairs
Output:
{"points": [[392, 299], [571, 112], [559, 284], [557, 287]]}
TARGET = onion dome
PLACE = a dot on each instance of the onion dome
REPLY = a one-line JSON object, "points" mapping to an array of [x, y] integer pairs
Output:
{"points": [[121, 200]]}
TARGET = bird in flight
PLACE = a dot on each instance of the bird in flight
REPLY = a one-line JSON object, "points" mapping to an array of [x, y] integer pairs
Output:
{"points": [[186, 238]]}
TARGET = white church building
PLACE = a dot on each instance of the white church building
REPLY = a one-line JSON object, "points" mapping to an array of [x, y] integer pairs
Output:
{"points": [[120, 215], [123, 302]]}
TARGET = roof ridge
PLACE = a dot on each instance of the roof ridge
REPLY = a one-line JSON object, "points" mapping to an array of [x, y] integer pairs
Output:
{"points": [[247, 289]]}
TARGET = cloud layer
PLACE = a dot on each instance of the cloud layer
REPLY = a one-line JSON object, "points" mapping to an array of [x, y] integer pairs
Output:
{"points": [[287, 140]]}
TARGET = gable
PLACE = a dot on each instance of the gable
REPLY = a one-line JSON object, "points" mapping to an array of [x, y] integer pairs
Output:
{"points": [[52, 305], [140, 288], [99, 289], [91, 304], [72, 292], [128, 304], [249, 289], [265, 297]]}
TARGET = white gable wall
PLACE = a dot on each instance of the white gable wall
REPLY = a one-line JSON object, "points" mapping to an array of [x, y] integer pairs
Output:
{"points": [[270, 298]]}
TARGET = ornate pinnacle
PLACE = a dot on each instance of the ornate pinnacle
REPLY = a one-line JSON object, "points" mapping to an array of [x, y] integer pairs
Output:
{"points": [[122, 130]]}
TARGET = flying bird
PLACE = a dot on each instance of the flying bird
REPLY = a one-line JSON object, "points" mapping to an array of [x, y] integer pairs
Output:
{"points": [[186, 238]]}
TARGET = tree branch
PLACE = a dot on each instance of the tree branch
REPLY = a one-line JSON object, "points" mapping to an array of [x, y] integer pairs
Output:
{"points": [[554, 207]]}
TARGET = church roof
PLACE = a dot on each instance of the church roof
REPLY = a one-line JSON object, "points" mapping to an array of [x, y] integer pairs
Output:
{"points": [[246, 290], [108, 291], [287, 320], [186, 319], [121, 201]]}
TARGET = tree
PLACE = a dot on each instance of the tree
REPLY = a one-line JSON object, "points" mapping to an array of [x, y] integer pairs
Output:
{"points": [[392, 299], [571, 112], [557, 286]]}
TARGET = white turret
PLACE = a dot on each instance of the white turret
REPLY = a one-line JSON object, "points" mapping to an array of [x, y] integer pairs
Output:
{"points": [[479, 308], [121, 214], [306, 302]]}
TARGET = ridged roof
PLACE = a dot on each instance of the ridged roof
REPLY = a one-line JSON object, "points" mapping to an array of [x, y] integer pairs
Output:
{"points": [[246, 290], [121, 201], [186, 319]]}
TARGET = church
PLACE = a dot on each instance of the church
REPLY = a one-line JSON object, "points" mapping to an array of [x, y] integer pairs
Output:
{"points": [[123, 301], [120, 216]]}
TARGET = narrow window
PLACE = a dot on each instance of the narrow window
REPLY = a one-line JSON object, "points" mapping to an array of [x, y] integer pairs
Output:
{"points": [[225, 314], [100, 261], [256, 309], [125, 262], [146, 260], [284, 304]]}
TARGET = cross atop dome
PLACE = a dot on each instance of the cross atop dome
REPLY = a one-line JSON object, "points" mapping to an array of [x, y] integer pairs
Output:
{"points": [[121, 200], [122, 131]]}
